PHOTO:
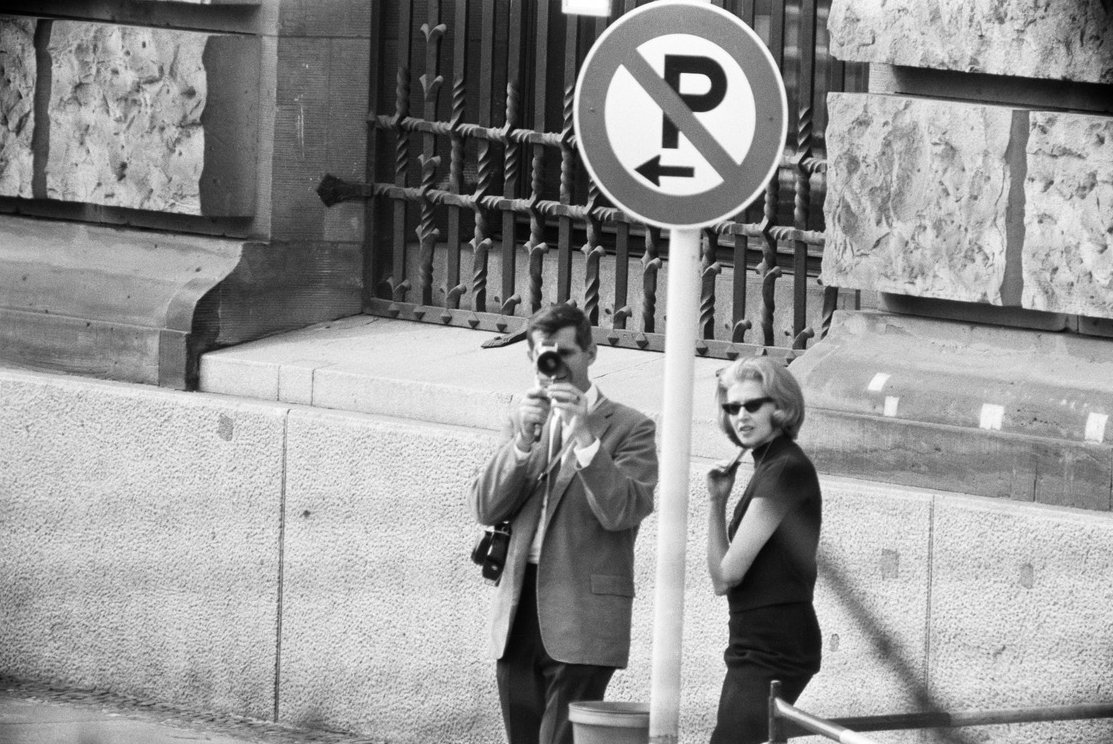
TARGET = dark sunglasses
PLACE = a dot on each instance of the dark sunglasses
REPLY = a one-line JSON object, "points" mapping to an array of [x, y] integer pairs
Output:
{"points": [[751, 406]]}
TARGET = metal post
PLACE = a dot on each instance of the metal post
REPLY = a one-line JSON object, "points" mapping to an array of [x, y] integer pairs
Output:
{"points": [[676, 445], [776, 728]]}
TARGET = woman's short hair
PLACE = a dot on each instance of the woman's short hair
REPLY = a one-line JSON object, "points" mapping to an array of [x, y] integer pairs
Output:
{"points": [[776, 382]]}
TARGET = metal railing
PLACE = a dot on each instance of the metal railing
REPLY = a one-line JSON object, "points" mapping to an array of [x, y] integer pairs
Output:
{"points": [[787, 721], [479, 210]]}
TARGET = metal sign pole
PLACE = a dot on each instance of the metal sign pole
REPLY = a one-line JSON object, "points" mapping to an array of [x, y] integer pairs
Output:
{"points": [[676, 445], [704, 74]]}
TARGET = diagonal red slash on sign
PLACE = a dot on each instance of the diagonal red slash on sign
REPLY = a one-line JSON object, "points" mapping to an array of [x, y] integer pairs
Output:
{"points": [[674, 107]]}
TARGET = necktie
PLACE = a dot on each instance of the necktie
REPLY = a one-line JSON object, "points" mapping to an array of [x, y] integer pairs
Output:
{"points": [[552, 468], [556, 442]]}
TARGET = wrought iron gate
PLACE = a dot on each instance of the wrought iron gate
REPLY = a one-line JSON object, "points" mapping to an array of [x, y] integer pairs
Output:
{"points": [[480, 211]]}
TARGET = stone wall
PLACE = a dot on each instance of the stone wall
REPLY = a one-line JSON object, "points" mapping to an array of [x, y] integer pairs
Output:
{"points": [[971, 186], [257, 558], [962, 175], [203, 121]]}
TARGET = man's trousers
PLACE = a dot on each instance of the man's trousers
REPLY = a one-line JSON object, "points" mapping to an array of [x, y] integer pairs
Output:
{"points": [[534, 688]]}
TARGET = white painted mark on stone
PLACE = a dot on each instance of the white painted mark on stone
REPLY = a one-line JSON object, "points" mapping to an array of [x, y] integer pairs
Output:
{"points": [[1095, 427], [878, 382], [301, 129], [891, 402], [992, 416]]}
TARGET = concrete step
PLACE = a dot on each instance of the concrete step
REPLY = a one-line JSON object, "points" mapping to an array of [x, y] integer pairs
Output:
{"points": [[436, 374]]}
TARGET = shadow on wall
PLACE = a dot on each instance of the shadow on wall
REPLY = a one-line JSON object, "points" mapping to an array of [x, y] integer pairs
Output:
{"points": [[879, 635]]}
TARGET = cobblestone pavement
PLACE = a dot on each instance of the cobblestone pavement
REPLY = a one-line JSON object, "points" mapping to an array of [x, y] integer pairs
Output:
{"points": [[32, 713]]}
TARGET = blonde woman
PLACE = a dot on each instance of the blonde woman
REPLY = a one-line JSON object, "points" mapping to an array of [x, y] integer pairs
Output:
{"points": [[764, 559]]}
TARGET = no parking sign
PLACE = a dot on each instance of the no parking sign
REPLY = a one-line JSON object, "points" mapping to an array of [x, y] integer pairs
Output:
{"points": [[680, 114]]}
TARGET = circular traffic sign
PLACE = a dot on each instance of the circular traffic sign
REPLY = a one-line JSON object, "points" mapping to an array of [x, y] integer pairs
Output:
{"points": [[680, 113]]}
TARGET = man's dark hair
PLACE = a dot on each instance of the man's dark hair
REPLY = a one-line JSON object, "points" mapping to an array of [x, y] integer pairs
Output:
{"points": [[551, 319]]}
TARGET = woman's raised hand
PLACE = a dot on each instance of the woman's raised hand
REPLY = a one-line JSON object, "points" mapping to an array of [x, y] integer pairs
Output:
{"points": [[720, 478]]}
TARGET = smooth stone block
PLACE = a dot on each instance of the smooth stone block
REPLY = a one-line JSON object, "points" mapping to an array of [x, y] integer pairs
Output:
{"points": [[872, 599], [140, 545], [381, 619], [1022, 612]]}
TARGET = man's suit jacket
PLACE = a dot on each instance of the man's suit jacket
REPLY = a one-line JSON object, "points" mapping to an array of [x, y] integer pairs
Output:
{"points": [[585, 576]]}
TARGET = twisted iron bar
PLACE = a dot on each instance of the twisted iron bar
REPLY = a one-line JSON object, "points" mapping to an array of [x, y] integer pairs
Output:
{"points": [[481, 241], [567, 176], [482, 203], [396, 281], [431, 82], [709, 272], [593, 251], [341, 190], [427, 233], [651, 265], [536, 248], [768, 303], [453, 287]]}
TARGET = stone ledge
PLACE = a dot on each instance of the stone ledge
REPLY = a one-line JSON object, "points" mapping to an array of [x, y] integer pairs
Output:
{"points": [[426, 372], [984, 410], [142, 306], [1045, 449], [104, 302]]}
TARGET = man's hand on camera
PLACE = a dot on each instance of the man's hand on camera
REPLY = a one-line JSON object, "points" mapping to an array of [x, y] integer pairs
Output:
{"points": [[570, 404], [533, 412]]}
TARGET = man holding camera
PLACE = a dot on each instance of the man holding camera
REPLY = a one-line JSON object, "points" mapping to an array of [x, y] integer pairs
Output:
{"points": [[575, 480]]}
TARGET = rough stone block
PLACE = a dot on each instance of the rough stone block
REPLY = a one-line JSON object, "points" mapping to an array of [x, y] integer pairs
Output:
{"points": [[1059, 41], [917, 196], [17, 105], [131, 123], [1068, 217]]}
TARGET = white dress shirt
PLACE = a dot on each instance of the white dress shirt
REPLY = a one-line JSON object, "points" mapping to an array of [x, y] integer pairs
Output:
{"points": [[584, 456]]}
